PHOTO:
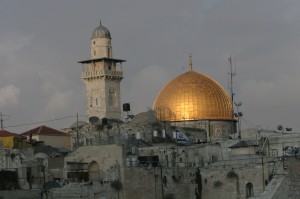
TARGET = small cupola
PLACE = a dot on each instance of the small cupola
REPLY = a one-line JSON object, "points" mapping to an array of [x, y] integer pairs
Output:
{"points": [[101, 32]]}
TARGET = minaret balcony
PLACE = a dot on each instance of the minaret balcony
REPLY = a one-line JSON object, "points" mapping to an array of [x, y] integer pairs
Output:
{"points": [[102, 73]]}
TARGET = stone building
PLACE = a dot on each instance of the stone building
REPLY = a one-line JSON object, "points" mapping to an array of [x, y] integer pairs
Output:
{"points": [[196, 101], [13, 140], [50, 136], [102, 77], [140, 158]]}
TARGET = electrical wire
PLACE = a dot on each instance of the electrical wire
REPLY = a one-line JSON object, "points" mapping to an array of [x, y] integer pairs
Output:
{"points": [[45, 121], [250, 124]]}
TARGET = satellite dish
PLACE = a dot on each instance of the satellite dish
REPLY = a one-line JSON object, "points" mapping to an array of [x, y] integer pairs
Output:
{"points": [[93, 119], [279, 127], [258, 128]]}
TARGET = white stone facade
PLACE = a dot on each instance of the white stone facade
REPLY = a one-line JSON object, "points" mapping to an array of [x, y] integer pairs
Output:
{"points": [[102, 78]]}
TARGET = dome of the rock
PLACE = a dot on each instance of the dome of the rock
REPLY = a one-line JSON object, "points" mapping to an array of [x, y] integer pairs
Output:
{"points": [[193, 96]]}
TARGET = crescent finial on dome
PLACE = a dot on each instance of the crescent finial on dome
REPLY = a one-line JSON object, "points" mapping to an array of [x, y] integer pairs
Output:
{"points": [[190, 62]]}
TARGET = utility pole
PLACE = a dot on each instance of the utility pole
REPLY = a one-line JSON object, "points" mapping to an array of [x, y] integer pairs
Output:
{"points": [[2, 119], [77, 132], [263, 173]]}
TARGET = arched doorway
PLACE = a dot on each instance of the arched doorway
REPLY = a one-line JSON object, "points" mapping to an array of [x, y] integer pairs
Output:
{"points": [[94, 171], [249, 190]]}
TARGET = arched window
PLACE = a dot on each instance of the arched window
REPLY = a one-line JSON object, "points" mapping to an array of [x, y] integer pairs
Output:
{"points": [[249, 190], [112, 97], [94, 172], [91, 101]]}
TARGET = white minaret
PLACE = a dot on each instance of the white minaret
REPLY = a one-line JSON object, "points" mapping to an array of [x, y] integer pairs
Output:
{"points": [[102, 77], [101, 43]]}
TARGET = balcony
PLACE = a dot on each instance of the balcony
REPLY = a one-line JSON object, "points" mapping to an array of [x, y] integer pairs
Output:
{"points": [[102, 73]]}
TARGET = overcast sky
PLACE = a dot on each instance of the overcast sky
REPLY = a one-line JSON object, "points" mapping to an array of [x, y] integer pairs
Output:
{"points": [[41, 42]]}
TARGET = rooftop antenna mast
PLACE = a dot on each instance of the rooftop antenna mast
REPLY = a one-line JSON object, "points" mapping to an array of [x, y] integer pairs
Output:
{"points": [[231, 74], [2, 116]]}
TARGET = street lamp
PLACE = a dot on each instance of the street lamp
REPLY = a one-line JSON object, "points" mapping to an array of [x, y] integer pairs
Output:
{"points": [[238, 115]]}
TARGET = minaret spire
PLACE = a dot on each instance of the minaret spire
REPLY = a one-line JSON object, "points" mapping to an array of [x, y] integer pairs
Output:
{"points": [[190, 62]]}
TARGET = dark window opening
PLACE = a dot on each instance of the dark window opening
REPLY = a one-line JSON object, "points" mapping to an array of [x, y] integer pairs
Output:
{"points": [[249, 190], [77, 172], [149, 160]]}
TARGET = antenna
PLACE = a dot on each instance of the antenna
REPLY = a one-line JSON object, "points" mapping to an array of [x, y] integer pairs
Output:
{"points": [[231, 74], [2, 119]]}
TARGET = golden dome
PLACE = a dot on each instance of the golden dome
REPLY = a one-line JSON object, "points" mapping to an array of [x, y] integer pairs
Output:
{"points": [[193, 96]]}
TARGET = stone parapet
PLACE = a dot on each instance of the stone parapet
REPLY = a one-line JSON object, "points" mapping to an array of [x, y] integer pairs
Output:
{"points": [[102, 73]]}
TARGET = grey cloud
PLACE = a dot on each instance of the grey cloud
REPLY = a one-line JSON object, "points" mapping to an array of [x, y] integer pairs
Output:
{"points": [[9, 96], [43, 41]]}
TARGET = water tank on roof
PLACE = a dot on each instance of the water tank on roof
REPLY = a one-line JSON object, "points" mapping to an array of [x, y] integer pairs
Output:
{"points": [[126, 107]]}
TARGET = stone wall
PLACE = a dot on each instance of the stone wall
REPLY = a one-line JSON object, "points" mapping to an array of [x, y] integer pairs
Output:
{"points": [[158, 183], [24, 194], [231, 182], [95, 190], [286, 185]]}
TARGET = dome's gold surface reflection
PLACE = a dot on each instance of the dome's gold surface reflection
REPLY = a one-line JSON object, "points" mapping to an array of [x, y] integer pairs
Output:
{"points": [[193, 96]]}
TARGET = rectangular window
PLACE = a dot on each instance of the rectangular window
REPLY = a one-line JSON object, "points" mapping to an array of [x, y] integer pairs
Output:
{"points": [[111, 99], [91, 101]]}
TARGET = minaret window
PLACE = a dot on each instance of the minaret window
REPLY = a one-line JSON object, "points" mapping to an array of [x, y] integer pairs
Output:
{"points": [[111, 97], [96, 101], [94, 52], [91, 101]]}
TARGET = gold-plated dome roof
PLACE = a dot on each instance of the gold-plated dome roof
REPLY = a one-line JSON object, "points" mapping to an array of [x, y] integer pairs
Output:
{"points": [[193, 96]]}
